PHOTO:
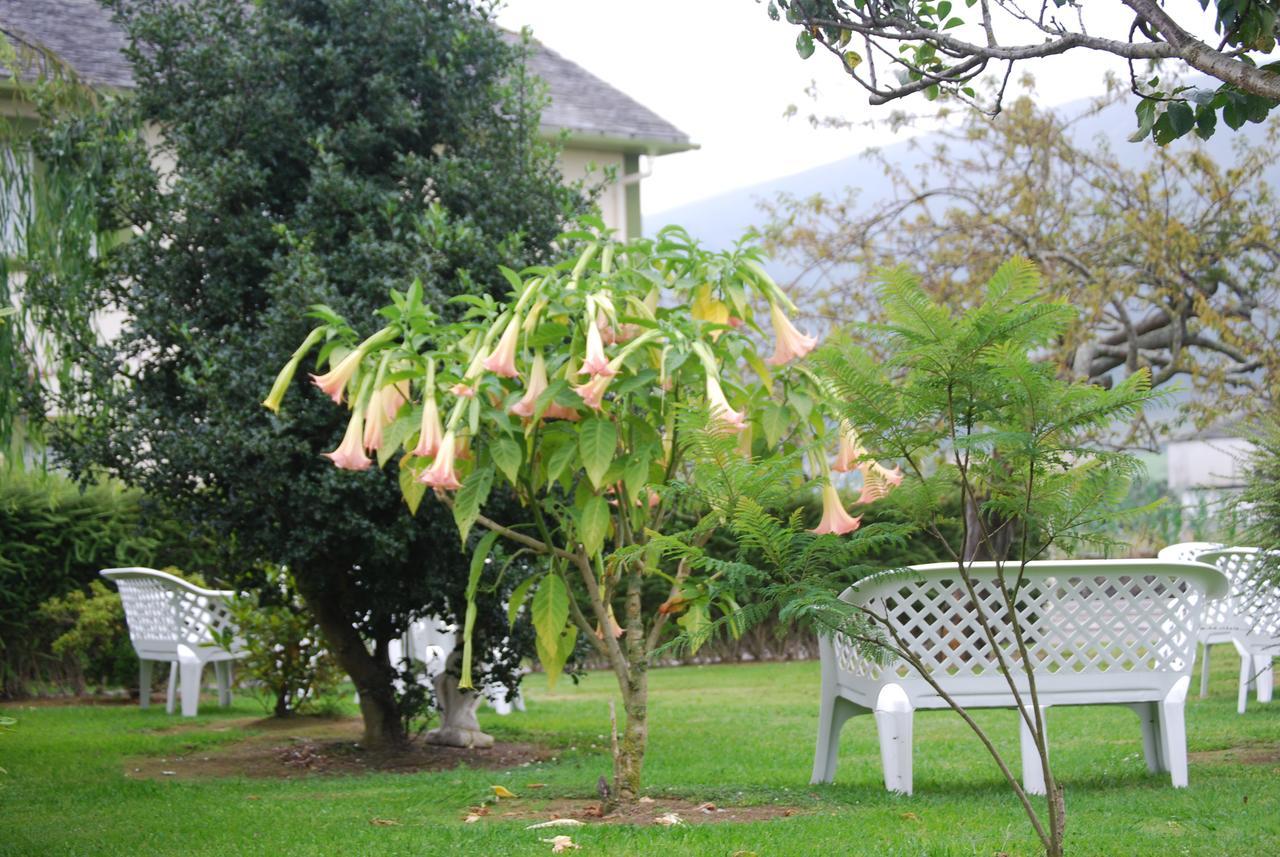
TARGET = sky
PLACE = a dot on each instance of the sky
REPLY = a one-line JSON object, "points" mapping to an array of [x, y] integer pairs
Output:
{"points": [[724, 73]]}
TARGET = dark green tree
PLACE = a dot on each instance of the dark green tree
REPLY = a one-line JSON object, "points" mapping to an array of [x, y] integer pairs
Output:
{"points": [[303, 152]]}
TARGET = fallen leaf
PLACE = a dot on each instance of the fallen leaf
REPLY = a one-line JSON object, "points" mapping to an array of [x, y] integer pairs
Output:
{"points": [[384, 822], [669, 820], [645, 799], [253, 797], [169, 773], [909, 816], [501, 791], [745, 854], [708, 807], [535, 785], [592, 812], [471, 819], [561, 844]]}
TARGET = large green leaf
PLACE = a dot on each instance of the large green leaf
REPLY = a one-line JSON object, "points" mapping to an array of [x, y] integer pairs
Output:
{"points": [[597, 440], [517, 599], [550, 613], [593, 524], [470, 497], [398, 432], [478, 560], [507, 455], [555, 652], [410, 487], [773, 419]]}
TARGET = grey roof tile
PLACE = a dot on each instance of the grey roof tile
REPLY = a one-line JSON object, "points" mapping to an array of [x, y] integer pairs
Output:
{"points": [[82, 34]]}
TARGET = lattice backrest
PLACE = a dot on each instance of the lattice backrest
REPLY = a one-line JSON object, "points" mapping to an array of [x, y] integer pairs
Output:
{"points": [[1219, 613], [1255, 597], [162, 608], [1095, 616]]}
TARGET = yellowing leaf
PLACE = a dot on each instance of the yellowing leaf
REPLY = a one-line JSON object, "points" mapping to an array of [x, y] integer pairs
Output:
{"points": [[502, 791]]}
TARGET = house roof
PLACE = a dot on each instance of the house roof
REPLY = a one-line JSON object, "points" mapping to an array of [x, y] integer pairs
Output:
{"points": [[82, 34]]}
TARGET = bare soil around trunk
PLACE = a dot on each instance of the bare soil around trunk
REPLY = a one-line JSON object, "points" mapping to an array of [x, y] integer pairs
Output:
{"points": [[661, 812], [289, 748]]}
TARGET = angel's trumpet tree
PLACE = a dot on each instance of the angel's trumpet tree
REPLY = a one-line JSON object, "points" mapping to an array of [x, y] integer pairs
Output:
{"points": [[592, 437]]}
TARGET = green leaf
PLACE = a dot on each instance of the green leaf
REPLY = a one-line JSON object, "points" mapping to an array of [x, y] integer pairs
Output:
{"points": [[944, 9], [517, 599], [410, 488], [636, 472], [478, 559], [804, 45], [470, 497], [397, 433], [696, 622], [593, 524], [597, 440], [559, 459], [547, 333], [553, 653], [550, 615], [774, 419], [852, 59], [507, 455]]}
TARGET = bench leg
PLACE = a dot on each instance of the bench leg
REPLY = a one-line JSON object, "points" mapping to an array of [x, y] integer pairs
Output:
{"points": [[1152, 744], [1204, 671], [832, 714], [1173, 732], [1246, 679], [894, 724], [144, 682], [171, 693], [189, 670], [1032, 770], [1263, 677]]}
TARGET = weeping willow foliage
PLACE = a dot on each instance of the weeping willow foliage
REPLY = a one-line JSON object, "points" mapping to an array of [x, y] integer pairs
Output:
{"points": [[52, 236]]}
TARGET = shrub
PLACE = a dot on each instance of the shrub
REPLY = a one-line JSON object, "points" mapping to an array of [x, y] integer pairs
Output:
{"points": [[287, 657], [94, 647], [54, 538]]}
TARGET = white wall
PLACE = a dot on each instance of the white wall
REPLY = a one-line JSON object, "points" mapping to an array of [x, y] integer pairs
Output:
{"points": [[1210, 463], [576, 163]]}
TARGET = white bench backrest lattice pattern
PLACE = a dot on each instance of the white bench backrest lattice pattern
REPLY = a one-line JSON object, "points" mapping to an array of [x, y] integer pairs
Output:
{"points": [[1219, 616], [164, 611], [1107, 619], [1255, 599]]}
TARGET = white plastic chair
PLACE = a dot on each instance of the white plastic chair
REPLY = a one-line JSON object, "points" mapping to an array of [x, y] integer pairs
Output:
{"points": [[1219, 618], [171, 620], [1099, 632], [431, 641], [1254, 618]]}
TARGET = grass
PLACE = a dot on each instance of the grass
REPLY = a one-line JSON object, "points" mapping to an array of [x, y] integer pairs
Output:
{"points": [[729, 734]]}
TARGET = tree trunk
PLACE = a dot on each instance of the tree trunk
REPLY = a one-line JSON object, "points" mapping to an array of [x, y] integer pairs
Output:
{"points": [[458, 724], [628, 762], [373, 677]]}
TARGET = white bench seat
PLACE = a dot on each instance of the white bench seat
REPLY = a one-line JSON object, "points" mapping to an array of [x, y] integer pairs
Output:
{"points": [[1100, 632]]}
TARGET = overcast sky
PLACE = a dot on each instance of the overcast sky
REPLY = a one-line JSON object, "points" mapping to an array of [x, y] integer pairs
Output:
{"points": [[724, 73]]}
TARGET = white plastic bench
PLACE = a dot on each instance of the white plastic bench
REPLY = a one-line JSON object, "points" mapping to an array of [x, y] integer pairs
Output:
{"points": [[1251, 618], [1219, 619], [171, 620], [1101, 632]]}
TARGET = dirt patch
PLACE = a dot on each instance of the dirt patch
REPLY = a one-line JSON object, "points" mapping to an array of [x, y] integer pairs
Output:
{"points": [[1252, 754], [662, 812], [301, 747]]}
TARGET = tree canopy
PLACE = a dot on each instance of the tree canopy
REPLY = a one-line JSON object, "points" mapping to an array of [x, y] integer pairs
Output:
{"points": [[1171, 263], [896, 48], [306, 151]]}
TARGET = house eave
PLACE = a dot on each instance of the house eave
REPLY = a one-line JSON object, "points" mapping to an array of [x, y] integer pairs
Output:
{"points": [[635, 145]]}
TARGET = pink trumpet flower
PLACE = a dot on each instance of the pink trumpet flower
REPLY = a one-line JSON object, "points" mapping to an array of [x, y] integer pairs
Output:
{"points": [[431, 432], [596, 364], [835, 519], [334, 382], [442, 474], [877, 481], [537, 384], [791, 342], [375, 419], [392, 398], [463, 391], [350, 453], [721, 411], [593, 391], [850, 450], [503, 359]]}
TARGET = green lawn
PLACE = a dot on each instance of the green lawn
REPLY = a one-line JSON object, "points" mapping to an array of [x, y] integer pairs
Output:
{"points": [[729, 734]]}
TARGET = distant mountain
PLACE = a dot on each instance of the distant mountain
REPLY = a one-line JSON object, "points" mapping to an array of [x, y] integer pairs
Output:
{"points": [[720, 220]]}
